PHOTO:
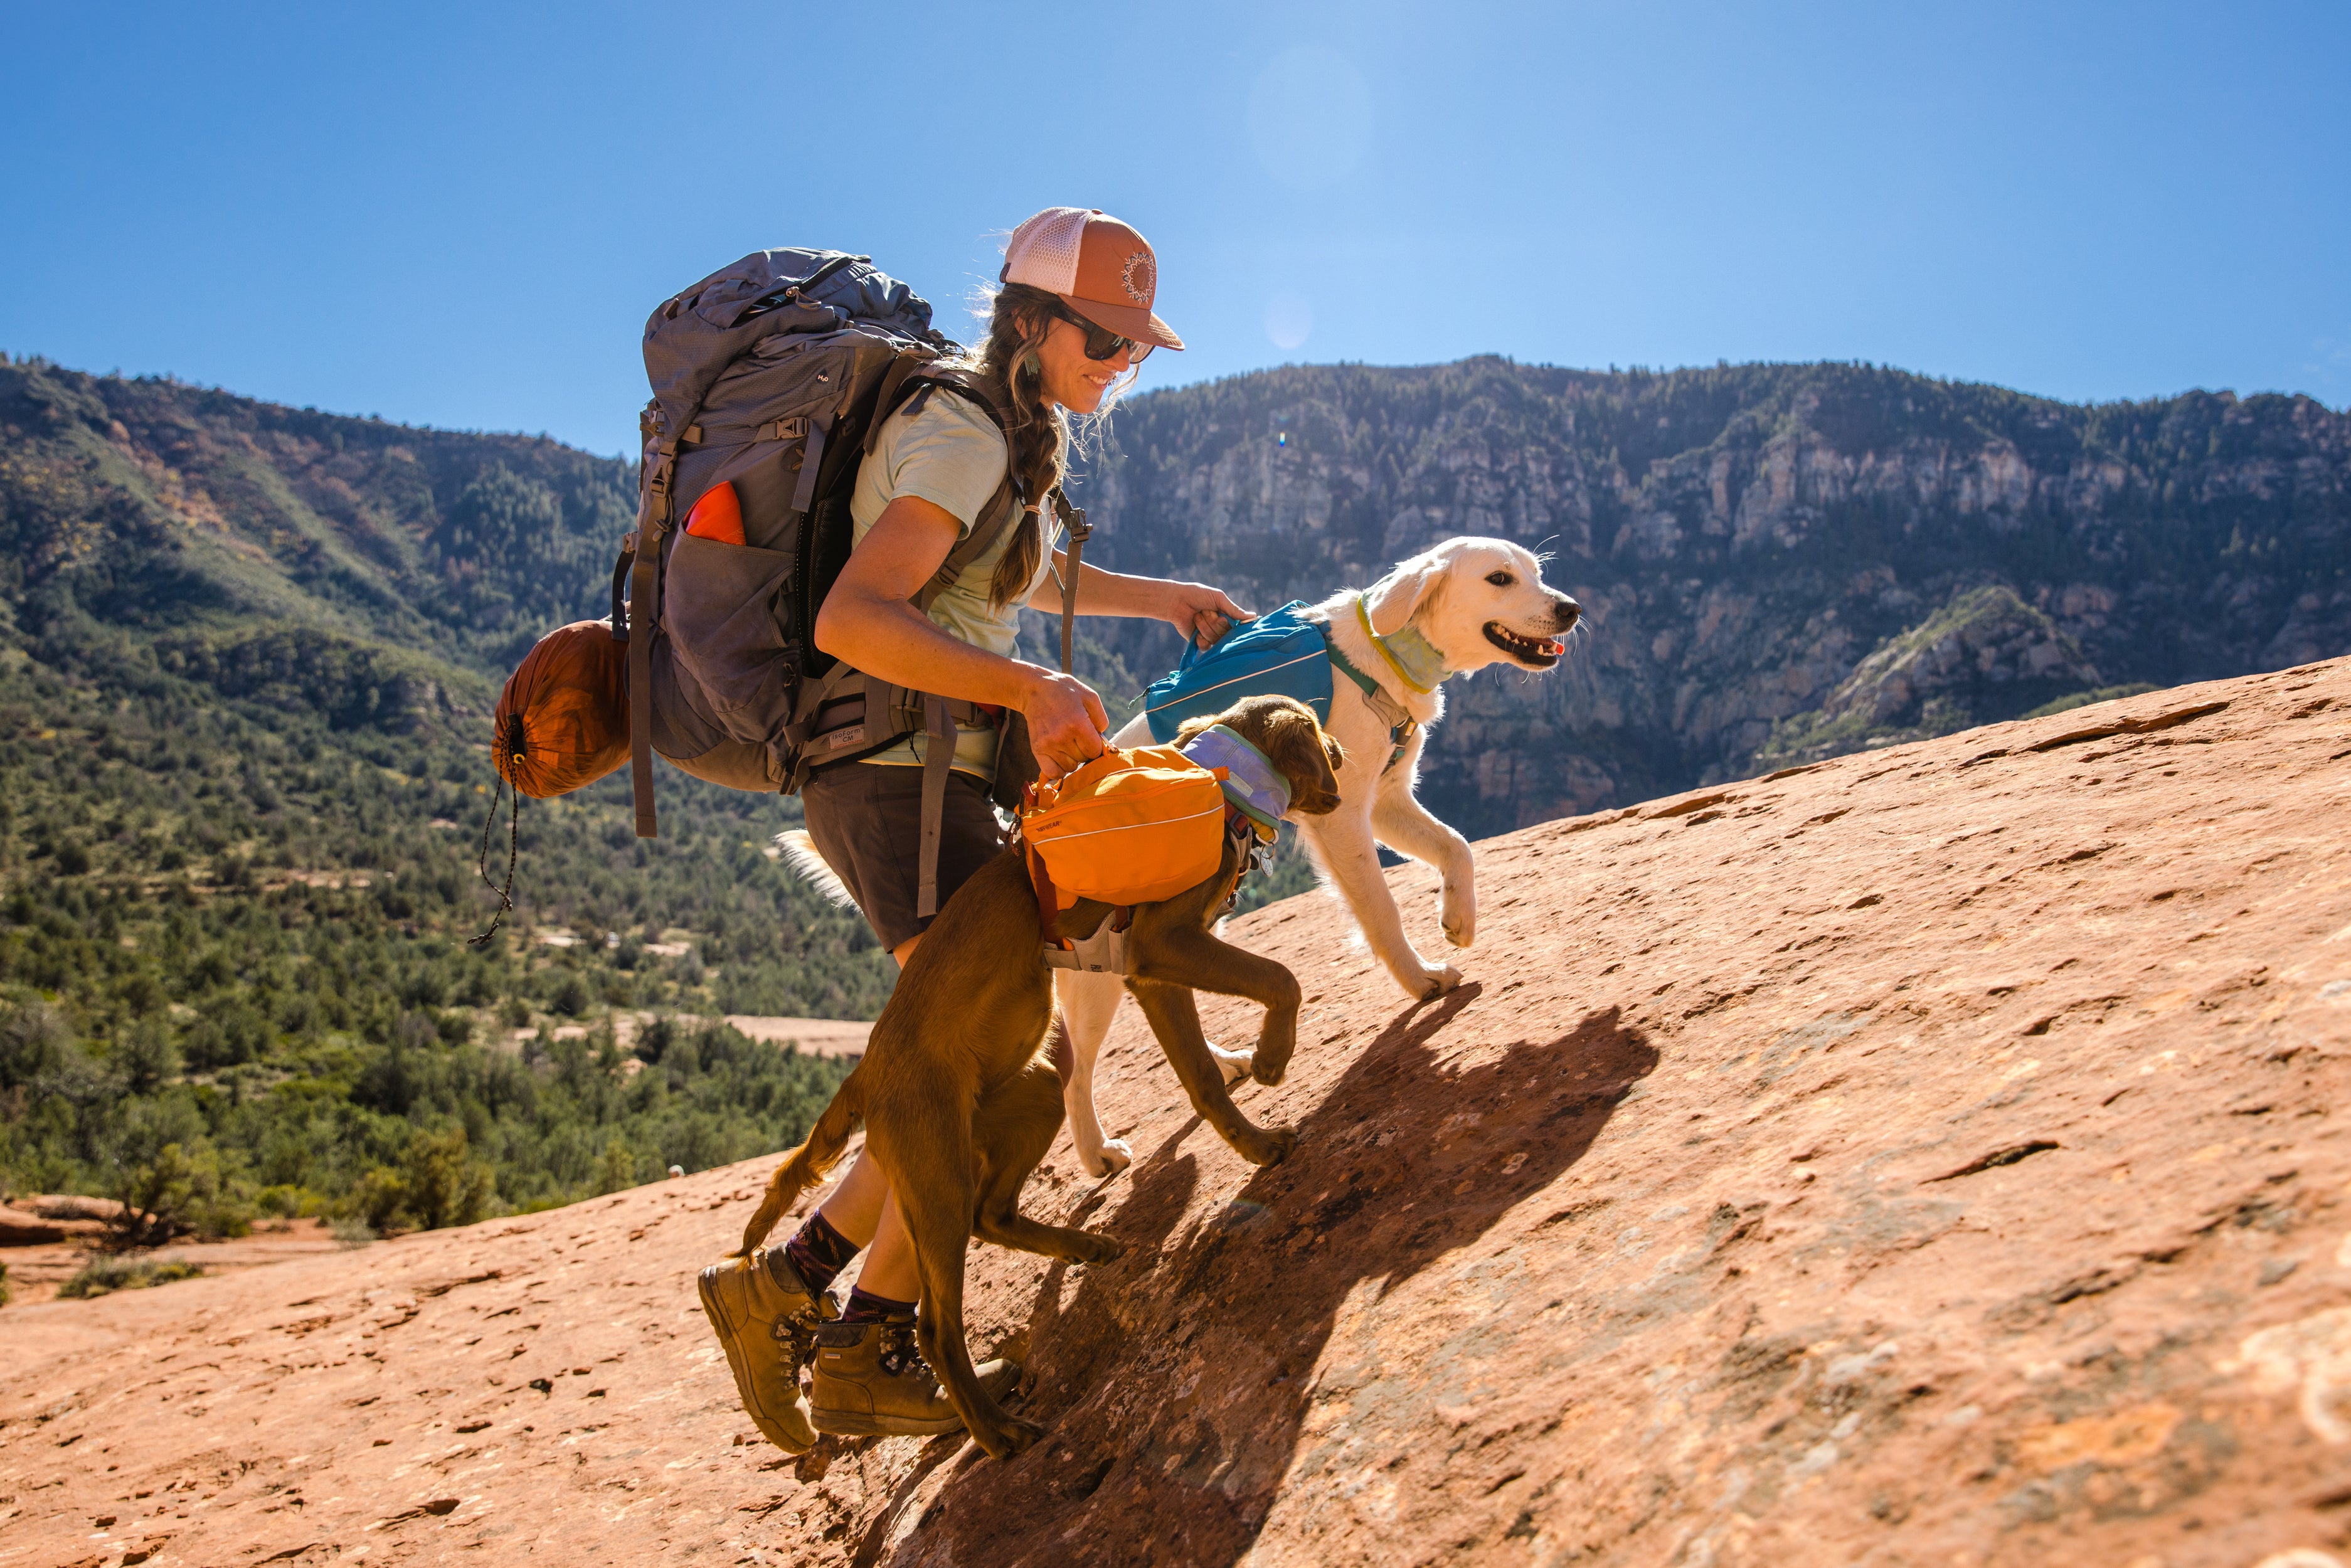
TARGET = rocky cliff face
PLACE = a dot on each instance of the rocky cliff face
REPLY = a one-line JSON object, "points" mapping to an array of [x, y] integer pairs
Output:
{"points": [[1745, 539], [1923, 1157]]}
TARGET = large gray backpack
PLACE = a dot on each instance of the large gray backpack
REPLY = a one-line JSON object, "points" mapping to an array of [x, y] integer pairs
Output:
{"points": [[775, 375]]}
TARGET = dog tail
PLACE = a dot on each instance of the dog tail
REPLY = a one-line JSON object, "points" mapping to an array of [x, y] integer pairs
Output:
{"points": [[805, 1167], [806, 859]]}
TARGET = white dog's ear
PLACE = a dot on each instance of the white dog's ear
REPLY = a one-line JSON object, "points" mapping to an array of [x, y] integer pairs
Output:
{"points": [[1396, 597]]}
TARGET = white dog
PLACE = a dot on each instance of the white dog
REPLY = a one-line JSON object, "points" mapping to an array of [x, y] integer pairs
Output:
{"points": [[1467, 603]]}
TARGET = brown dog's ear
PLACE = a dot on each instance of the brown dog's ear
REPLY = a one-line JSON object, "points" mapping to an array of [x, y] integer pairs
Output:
{"points": [[1397, 598], [1296, 744]]}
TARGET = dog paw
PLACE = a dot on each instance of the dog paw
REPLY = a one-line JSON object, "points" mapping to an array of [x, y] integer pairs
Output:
{"points": [[1115, 1156], [1006, 1437], [1096, 1248], [1271, 1146], [1435, 983], [1233, 1064], [1458, 914]]}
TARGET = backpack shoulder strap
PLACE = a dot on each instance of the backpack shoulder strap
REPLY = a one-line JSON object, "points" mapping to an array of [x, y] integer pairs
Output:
{"points": [[908, 394], [1002, 509]]}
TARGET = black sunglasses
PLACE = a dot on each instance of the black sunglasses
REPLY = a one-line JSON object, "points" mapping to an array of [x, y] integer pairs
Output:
{"points": [[1102, 343]]}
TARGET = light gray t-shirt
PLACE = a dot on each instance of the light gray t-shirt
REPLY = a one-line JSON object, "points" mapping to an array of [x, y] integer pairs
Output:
{"points": [[951, 454]]}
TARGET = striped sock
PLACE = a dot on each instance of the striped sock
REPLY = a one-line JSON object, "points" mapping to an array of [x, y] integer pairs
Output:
{"points": [[864, 1307], [818, 1252]]}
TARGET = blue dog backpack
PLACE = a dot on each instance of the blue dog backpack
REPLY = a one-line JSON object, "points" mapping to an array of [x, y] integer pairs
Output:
{"points": [[1281, 654]]}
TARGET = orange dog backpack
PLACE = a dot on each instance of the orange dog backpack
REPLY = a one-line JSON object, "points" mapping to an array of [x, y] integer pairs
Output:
{"points": [[1128, 827]]}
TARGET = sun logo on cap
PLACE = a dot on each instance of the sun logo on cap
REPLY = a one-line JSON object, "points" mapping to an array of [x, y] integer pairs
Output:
{"points": [[1140, 277]]}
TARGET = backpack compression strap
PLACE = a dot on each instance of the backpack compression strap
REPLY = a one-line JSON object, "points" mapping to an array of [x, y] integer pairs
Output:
{"points": [[1074, 521], [644, 587]]}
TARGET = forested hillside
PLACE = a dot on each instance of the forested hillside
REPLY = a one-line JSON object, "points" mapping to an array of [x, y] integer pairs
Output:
{"points": [[1777, 561], [249, 654]]}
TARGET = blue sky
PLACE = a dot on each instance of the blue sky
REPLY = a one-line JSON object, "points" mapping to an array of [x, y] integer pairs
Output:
{"points": [[460, 216]]}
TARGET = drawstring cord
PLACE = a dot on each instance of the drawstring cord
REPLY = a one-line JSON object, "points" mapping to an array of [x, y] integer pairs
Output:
{"points": [[516, 750]]}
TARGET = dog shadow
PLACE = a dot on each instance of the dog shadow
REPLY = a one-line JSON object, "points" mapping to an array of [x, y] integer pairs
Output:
{"points": [[1175, 1382]]}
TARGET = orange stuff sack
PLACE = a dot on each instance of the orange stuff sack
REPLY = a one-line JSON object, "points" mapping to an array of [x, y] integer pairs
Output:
{"points": [[717, 516], [563, 719], [1130, 827]]}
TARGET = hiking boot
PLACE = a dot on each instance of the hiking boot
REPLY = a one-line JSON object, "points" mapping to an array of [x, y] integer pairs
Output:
{"points": [[871, 1382], [767, 1320]]}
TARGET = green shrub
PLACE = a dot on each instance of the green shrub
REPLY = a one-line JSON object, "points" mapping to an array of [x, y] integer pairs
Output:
{"points": [[437, 1183], [146, 1056], [179, 1193], [101, 1276], [287, 1201], [616, 1167]]}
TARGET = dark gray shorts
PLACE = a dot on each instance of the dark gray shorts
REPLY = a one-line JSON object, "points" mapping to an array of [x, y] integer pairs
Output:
{"points": [[867, 821]]}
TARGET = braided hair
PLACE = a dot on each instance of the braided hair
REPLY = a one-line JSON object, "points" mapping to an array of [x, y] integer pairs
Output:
{"points": [[1038, 432]]}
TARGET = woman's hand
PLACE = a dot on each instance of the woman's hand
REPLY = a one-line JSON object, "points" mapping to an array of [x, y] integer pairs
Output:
{"points": [[1200, 612], [1066, 721]]}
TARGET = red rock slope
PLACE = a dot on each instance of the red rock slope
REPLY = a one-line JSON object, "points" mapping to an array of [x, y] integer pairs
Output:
{"points": [[1928, 1157]]}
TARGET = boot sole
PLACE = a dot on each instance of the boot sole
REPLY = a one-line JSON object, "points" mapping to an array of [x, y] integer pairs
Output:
{"points": [[710, 1310], [853, 1424]]}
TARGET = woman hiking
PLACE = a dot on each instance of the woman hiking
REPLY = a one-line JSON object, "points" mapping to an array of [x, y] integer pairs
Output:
{"points": [[1066, 331]]}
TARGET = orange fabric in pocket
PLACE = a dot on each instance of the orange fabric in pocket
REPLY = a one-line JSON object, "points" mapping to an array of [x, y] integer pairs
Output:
{"points": [[717, 516]]}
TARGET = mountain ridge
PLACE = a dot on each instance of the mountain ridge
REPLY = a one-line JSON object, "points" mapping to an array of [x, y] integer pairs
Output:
{"points": [[1744, 537]]}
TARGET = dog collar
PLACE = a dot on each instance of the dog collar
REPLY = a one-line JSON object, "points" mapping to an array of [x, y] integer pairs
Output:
{"points": [[1251, 782], [1412, 656]]}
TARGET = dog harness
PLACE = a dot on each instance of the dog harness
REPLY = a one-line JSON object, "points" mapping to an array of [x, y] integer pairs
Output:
{"points": [[1287, 653], [1253, 786]]}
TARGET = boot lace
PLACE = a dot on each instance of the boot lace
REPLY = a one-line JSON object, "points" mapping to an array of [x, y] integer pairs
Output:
{"points": [[900, 1357], [797, 1332]]}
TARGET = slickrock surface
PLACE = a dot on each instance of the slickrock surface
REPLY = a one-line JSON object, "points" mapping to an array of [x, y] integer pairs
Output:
{"points": [[35, 1271], [1931, 1157]]}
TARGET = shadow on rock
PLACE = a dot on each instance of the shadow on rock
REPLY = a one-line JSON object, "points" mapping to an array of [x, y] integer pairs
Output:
{"points": [[1176, 1383]]}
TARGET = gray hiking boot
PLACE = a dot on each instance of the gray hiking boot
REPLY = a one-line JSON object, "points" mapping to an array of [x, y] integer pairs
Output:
{"points": [[871, 1382], [767, 1320]]}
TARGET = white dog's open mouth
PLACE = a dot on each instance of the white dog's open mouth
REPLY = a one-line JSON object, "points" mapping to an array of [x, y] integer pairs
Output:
{"points": [[1541, 653]]}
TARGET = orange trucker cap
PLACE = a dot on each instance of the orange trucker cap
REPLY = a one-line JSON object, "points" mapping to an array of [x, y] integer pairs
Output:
{"points": [[1102, 269]]}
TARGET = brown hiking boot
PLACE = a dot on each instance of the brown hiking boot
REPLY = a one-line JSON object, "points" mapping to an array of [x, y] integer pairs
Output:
{"points": [[767, 1320], [871, 1382]]}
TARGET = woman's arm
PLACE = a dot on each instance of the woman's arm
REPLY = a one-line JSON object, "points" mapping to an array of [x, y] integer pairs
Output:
{"points": [[869, 621], [1196, 610]]}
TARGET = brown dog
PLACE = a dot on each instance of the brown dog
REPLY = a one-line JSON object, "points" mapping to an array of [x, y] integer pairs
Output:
{"points": [[960, 1098]]}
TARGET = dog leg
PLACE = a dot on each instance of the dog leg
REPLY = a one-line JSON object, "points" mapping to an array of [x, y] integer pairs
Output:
{"points": [[1343, 844], [939, 1217], [1089, 1003], [1400, 821], [1176, 952], [1176, 1021], [1016, 1125]]}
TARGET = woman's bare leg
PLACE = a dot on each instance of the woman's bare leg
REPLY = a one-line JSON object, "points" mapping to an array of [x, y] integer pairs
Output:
{"points": [[865, 1211]]}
